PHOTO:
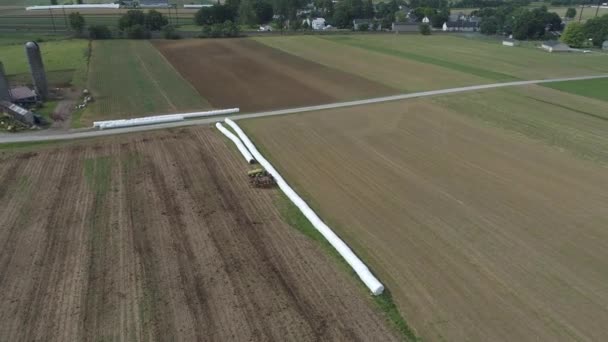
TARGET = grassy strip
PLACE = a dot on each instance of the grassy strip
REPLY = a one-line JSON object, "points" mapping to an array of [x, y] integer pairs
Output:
{"points": [[424, 59], [595, 88], [292, 215]]}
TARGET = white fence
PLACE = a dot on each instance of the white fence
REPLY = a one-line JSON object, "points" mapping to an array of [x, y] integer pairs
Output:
{"points": [[84, 6]]}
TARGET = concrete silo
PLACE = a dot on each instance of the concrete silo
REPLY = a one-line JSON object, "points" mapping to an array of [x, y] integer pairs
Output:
{"points": [[34, 58], [5, 94]]}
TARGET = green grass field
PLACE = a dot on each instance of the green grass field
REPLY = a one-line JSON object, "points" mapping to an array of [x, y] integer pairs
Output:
{"points": [[414, 62], [597, 88], [484, 58], [130, 79], [570, 122], [62, 58]]}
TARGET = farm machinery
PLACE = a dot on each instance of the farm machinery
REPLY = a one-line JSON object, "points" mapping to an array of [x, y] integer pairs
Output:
{"points": [[260, 178]]}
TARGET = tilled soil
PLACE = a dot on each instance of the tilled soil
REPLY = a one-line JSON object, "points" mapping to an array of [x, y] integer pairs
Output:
{"points": [[244, 73], [158, 236]]}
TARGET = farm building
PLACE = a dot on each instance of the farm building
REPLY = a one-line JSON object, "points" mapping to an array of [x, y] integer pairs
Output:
{"points": [[605, 45], [462, 22], [23, 96], [154, 3], [510, 42], [358, 23], [405, 27], [555, 46], [318, 24], [17, 112]]}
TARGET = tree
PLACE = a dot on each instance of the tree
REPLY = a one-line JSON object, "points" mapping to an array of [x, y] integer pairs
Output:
{"points": [[489, 25], [169, 32], [77, 22], [53, 2], [155, 20], [400, 16], [99, 32], [263, 11], [596, 29], [79, 2], [216, 14], [368, 10], [131, 18], [574, 35], [425, 29], [440, 17], [363, 27], [570, 13], [247, 14]]}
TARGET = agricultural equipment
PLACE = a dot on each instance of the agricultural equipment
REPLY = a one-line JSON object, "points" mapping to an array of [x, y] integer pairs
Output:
{"points": [[260, 178]]}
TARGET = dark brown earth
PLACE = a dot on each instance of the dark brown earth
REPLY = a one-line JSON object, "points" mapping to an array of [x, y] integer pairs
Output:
{"points": [[244, 73], [158, 236]]}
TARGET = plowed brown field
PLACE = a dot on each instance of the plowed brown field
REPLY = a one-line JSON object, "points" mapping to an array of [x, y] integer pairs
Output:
{"points": [[244, 73], [481, 234], [158, 236]]}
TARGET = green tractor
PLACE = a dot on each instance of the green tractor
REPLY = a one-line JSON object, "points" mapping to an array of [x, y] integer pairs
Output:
{"points": [[260, 178]]}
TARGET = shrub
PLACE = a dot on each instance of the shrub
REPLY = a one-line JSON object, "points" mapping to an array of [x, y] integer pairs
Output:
{"points": [[137, 32], [425, 29], [363, 27], [99, 32], [169, 32]]}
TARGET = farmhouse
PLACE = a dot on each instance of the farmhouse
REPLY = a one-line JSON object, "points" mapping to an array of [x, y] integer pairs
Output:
{"points": [[605, 45], [23, 96], [17, 112], [462, 22], [318, 24], [555, 46], [405, 27]]}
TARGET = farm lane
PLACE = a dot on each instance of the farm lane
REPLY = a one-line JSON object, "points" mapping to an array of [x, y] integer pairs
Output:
{"points": [[90, 133]]}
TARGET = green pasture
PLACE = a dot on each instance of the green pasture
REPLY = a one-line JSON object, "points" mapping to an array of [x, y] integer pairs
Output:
{"points": [[130, 79], [596, 88]]}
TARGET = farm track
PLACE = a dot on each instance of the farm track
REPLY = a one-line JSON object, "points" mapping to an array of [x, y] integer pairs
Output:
{"points": [[79, 134], [159, 237]]}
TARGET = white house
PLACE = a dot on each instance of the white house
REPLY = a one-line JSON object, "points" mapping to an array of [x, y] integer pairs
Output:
{"points": [[318, 24], [426, 20], [445, 27]]}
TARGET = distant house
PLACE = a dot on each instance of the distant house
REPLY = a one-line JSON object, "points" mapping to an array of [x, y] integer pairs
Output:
{"points": [[318, 24], [154, 3], [462, 22], [17, 112], [510, 42], [23, 96], [426, 20], [605, 45], [555, 46], [358, 22], [405, 27]]}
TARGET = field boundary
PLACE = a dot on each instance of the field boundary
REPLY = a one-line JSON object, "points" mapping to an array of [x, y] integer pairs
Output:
{"points": [[78, 134]]}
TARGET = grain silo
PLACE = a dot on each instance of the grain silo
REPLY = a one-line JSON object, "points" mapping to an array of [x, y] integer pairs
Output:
{"points": [[5, 94], [34, 58]]}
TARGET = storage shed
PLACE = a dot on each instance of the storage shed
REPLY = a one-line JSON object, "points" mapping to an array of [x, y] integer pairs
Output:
{"points": [[555, 46]]}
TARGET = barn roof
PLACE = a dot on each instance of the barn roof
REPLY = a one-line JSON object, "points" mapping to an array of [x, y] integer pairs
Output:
{"points": [[20, 93]]}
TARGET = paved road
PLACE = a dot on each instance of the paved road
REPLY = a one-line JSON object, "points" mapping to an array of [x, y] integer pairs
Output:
{"points": [[88, 133]]}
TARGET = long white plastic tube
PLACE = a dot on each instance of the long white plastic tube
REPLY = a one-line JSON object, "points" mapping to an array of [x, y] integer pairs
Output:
{"points": [[139, 122], [237, 142], [83, 6], [358, 266], [184, 115]]}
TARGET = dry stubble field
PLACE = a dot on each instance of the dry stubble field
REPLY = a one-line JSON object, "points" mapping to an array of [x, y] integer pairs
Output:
{"points": [[158, 236], [481, 234], [244, 73]]}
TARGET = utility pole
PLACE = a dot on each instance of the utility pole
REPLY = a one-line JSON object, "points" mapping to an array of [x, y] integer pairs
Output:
{"points": [[52, 20], [581, 14], [598, 7], [176, 15]]}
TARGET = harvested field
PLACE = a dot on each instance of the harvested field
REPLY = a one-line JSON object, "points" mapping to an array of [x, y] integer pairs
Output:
{"points": [[158, 236], [243, 73], [481, 234]]}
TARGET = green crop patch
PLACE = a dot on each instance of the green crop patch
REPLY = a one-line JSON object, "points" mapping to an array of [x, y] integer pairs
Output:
{"points": [[595, 88]]}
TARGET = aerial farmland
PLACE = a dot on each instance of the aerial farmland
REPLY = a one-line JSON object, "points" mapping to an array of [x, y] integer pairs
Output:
{"points": [[468, 178]]}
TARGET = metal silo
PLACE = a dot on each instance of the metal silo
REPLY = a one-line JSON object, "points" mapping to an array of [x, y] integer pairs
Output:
{"points": [[5, 94], [34, 58]]}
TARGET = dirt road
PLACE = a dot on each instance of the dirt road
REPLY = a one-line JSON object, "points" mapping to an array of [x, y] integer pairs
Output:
{"points": [[158, 236]]}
